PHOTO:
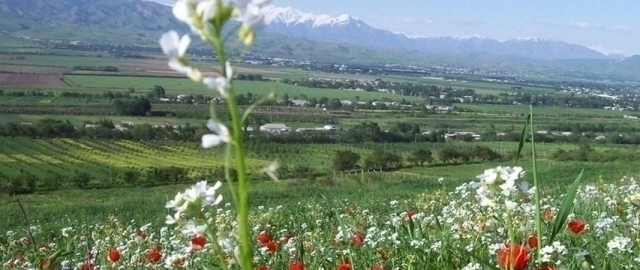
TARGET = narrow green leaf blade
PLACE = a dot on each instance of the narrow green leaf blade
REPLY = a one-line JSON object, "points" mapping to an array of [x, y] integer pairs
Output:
{"points": [[523, 138], [590, 260], [565, 208]]}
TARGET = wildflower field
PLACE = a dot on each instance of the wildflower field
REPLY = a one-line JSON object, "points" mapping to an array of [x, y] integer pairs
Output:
{"points": [[382, 227]]}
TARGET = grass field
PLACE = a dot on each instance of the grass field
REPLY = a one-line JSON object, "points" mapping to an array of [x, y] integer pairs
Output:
{"points": [[542, 111], [180, 85]]}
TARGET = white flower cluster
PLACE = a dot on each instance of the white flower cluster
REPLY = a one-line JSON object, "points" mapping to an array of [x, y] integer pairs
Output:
{"points": [[205, 18], [192, 200], [504, 178]]}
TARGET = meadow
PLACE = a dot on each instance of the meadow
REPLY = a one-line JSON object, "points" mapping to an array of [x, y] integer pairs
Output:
{"points": [[400, 218]]}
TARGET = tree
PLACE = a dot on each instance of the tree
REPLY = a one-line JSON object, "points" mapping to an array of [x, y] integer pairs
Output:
{"points": [[53, 180], [419, 157], [380, 160], [302, 171], [158, 91], [345, 160], [81, 179], [131, 177], [485, 153]]}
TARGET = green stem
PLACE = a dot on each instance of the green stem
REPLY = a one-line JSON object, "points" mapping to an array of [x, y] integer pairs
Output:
{"points": [[535, 184], [242, 207], [512, 239]]}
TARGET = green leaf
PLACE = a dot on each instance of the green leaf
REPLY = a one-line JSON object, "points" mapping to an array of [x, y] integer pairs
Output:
{"points": [[565, 209], [523, 138], [590, 260]]}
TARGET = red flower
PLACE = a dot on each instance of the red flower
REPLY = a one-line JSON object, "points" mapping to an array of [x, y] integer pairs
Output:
{"points": [[514, 255], [344, 266], [198, 242], [87, 266], [262, 267], [357, 239], [113, 255], [296, 266], [154, 255], [533, 241], [377, 267], [264, 238], [546, 267], [576, 226], [409, 215], [272, 246]]}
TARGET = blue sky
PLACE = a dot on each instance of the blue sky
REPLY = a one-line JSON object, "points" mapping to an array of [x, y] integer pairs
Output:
{"points": [[607, 26]]}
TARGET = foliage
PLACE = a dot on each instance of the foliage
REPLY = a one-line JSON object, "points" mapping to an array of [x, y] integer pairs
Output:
{"points": [[381, 160], [420, 156], [345, 160]]}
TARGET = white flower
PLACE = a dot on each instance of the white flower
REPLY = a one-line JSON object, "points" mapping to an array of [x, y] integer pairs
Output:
{"points": [[170, 220], [222, 84], [510, 205], [250, 12], [175, 47], [222, 135], [201, 192], [508, 187], [271, 170], [197, 14], [191, 229], [488, 177]]}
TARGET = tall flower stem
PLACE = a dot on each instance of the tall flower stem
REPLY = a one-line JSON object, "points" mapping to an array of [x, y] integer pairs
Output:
{"points": [[536, 185], [243, 186], [512, 238]]}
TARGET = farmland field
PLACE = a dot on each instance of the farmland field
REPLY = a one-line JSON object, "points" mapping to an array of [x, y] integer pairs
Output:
{"points": [[312, 200]]}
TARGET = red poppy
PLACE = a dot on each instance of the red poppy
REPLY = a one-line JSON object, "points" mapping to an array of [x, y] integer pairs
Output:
{"points": [[533, 241], [262, 267], [344, 266], [264, 238], [357, 239], [113, 255], [546, 267], [576, 226], [198, 242], [514, 255], [296, 266], [409, 215], [272, 246], [154, 256], [87, 266]]}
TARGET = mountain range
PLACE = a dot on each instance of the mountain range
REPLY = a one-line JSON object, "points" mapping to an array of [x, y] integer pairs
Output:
{"points": [[290, 33], [349, 30]]}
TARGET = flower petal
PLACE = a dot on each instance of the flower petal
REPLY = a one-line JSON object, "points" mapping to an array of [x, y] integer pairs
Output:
{"points": [[210, 140], [169, 42], [182, 11], [183, 45]]}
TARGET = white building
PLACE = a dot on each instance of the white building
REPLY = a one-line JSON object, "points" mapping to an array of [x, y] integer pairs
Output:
{"points": [[275, 128]]}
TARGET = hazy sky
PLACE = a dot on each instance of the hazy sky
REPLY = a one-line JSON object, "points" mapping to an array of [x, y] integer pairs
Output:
{"points": [[608, 26]]}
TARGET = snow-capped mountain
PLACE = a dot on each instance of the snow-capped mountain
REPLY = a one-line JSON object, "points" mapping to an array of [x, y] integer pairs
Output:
{"points": [[349, 30]]}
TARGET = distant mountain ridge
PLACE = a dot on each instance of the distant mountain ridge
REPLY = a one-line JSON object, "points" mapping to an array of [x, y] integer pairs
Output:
{"points": [[342, 39], [349, 30]]}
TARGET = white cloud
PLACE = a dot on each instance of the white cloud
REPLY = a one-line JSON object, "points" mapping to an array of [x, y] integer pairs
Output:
{"points": [[579, 24], [605, 50]]}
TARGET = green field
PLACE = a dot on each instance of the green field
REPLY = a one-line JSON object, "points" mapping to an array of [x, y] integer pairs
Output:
{"points": [[541, 111], [180, 85]]}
